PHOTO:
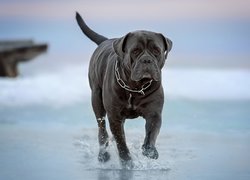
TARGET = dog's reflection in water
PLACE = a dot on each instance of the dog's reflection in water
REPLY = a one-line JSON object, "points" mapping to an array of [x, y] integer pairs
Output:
{"points": [[121, 174]]}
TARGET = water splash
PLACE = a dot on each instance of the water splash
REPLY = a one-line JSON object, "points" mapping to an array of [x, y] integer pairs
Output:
{"points": [[88, 149]]}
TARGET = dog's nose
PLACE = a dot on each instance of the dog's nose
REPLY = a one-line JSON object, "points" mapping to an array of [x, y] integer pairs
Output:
{"points": [[146, 61]]}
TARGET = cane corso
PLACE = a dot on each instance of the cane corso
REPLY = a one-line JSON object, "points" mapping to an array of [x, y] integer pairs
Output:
{"points": [[125, 79]]}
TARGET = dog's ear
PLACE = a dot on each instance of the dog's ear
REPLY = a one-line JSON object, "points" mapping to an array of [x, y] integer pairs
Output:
{"points": [[119, 45], [167, 43]]}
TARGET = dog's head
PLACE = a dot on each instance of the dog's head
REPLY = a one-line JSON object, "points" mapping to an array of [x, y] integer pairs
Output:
{"points": [[143, 54]]}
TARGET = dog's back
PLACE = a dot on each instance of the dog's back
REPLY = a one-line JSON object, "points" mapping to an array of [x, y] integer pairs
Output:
{"points": [[99, 61]]}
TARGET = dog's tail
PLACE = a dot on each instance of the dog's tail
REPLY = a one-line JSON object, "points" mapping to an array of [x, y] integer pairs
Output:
{"points": [[97, 38]]}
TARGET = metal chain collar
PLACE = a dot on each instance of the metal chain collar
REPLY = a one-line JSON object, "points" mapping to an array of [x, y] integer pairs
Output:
{"points": [[126, 87]]}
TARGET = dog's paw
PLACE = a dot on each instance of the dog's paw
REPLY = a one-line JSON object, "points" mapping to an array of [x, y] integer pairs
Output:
{"points": [[150, 151], [103, 156]]}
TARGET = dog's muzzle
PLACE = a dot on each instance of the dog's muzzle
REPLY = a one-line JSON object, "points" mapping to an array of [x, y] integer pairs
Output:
{"points": [[146, 68]]}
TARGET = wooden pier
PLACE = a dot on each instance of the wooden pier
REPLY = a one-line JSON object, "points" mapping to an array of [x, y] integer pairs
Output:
{"points": [[14, 52]]}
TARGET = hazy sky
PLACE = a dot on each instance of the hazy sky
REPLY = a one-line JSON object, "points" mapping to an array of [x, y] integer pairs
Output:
{"points": [[134, 9], [216, 30]]}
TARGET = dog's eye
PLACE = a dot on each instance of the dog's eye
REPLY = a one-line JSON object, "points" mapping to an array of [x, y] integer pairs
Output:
{"points": [[137, 51], [156, 51]]}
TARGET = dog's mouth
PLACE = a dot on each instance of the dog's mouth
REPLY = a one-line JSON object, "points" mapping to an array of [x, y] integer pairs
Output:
{"points": [[145, 73], [144, 78], [147, 76]]}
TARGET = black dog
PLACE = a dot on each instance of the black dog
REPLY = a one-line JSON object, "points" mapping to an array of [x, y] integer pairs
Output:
{"points": [[125, 79]]}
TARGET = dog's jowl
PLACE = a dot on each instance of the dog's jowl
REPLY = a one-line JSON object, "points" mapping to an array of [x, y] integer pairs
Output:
{"points": [[125, 80]]}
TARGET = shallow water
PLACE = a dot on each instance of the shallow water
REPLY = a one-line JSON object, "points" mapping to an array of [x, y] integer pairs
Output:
{"points": [[205, 140], [48, 130]]}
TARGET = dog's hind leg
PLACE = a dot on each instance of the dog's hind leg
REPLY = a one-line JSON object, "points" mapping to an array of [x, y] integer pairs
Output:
{"points": [[100, 114]]}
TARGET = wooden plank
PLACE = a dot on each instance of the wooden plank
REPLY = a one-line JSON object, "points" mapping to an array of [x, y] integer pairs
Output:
{"points": [[6, 45], [14, 52]]}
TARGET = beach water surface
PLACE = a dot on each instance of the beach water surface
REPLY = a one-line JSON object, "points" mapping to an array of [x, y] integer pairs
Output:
{"points": [[48, 130]]}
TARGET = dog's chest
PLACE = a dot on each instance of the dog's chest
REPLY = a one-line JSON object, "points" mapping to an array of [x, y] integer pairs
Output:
{"points": [[131, 109]]}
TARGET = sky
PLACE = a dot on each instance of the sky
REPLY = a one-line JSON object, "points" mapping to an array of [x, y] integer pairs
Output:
{"points": [[215, 31], [134, 9]]}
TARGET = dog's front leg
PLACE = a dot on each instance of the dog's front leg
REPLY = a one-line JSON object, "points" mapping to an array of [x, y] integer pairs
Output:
{"points": [[117, 129], [153, 125]]}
